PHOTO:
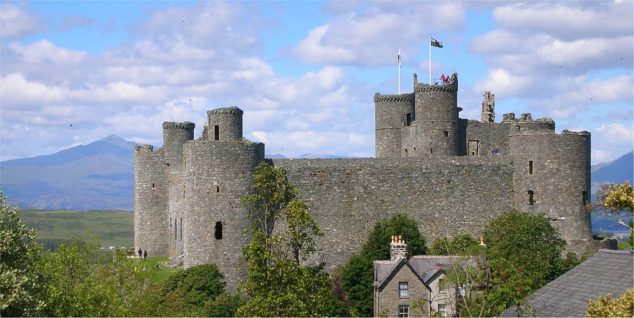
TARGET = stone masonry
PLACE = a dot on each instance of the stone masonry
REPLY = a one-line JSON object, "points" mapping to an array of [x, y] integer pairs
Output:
{"points": [[451, 175]]}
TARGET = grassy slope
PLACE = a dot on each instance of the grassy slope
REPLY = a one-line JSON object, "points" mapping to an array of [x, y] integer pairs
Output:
{"points": [[107, 228]]}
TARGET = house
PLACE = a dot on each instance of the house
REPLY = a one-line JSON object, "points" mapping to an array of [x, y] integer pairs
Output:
{"points": [[606, 272], [416, 286]]}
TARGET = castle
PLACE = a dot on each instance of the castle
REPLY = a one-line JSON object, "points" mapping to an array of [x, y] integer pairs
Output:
{"points": [[451, 175]]}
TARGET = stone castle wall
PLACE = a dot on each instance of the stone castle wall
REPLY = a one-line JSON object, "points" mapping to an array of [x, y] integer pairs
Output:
{"points": [[446, 196]]}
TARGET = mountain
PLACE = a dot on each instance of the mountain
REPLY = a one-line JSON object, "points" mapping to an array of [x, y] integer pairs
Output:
{"points": [[617, 171], [97, 176]]}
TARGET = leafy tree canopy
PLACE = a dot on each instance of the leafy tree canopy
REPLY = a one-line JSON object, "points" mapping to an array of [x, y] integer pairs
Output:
{"points": [[463, 244], [357, 274], [605, 306], [19, 255], [278, 282], [616, 196]]}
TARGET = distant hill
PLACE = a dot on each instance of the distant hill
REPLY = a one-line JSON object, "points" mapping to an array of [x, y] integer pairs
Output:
{"points": [[617, 171], [97, 176]]}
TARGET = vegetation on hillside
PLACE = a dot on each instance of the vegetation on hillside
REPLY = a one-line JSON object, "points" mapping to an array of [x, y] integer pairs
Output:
{"points": [[605, 306]]}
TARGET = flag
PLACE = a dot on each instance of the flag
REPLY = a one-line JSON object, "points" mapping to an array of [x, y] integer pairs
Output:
{"points": [[436, 43], [399, 57]]}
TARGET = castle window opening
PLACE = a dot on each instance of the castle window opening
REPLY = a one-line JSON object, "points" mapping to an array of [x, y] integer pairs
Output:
{"points": [[217, 188], [530, 167], [431, 151], [446, 133], [531, 197], [152, 185], [167, 164], [403, 311], [216, 132], [408, 119], [181, 228], [403, 290], [405, 152], [584, 197], [175, 228], [218, 231]]}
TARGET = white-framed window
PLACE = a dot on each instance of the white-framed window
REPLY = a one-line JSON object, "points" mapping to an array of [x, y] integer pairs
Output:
{"points": [[442, 310], [403, 311], [403, 290]]}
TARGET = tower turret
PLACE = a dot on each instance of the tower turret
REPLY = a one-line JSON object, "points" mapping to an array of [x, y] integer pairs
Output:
{"points": [[224, 124], [436, 109], [488, 108], [392, 113], [174, 135]]}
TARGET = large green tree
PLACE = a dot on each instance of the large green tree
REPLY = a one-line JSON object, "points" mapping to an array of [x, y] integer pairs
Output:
{"points": [[357, 274], [278, 281], [20, 281], [523, 252], [193, 292], [463, 244]]}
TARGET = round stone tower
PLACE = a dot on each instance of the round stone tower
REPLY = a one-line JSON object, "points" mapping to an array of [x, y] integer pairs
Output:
{"points": [[392, 113], [174, 136], [224, 124], [218, 174], [539, 154], [437, 111], [150, 201]]}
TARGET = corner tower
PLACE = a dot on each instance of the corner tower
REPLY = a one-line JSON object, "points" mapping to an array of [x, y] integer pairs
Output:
{"points": [[551, 175], [218, 173]]}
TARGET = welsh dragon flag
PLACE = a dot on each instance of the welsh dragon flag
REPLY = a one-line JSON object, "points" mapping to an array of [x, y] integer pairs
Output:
{"points": [[436, 43]]}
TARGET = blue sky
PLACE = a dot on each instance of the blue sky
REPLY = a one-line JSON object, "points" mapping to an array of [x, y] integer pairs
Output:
{"points": [[303, 72]]}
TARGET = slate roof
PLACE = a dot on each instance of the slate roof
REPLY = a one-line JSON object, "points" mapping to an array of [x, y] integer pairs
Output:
{"points": [[607, 271], [425, 266]]}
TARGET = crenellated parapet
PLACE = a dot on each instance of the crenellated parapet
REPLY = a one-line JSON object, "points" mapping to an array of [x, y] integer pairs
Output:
{"points": [[378, 98], [226, 110], [176, 125], [424, 88], [144, 148]]}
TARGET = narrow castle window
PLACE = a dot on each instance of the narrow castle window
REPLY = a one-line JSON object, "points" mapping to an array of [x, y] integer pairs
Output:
{"points": [[217, 188], [167, 164], [584, 196], [181, 228], [405, 152], [216, 132], [431, 151], [531, 197], [218, 231], [446, 133], [408, 119], [152, 185], [175, 228], [530, 167]]}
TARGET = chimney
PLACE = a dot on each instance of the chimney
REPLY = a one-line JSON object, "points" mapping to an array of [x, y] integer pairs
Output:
{"points": [[398, 248]]}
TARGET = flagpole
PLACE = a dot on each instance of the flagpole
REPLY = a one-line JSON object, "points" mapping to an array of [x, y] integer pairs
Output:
{"points": [[429, 43], [399, 71]]}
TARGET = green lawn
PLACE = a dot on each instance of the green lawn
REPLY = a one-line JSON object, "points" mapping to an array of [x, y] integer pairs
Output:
{"points": [[106, 228]]}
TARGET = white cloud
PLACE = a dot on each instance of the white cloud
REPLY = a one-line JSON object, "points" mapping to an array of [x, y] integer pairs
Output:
{"points": [[15, 23], [371, 33], [503, 83], [45, 52]]}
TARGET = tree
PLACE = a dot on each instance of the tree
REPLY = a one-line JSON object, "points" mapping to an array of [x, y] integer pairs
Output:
{"points": [[605, 306], [357, 274], [463, 244], [616, 196], [524, 253], [278, 282], [80, 281], [20, 281], [196, 291]]}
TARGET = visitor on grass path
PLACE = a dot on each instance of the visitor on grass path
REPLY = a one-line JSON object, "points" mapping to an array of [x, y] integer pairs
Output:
{"points": [[145, 254], [140, 253]]}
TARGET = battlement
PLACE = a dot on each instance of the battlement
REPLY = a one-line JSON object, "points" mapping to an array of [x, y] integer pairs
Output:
{"points": [[393, 98], [450, 86], [579, 133], [144, 148], [226, 110], [175, 125]]}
